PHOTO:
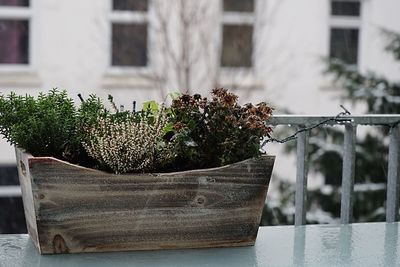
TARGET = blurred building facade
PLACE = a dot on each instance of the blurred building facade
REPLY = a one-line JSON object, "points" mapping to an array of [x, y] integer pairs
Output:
{"points": [[268, 50], [264, 50]]}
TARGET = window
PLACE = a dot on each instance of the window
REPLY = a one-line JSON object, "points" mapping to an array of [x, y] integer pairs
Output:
{"points": [[345, 8], [345, 30], [24, 3], [237, 48], [130, 5], [237, 33], [239, 5], [129, 44], [12, 219], [344, 45], [8, 175], [14, 32], [129, 32]]}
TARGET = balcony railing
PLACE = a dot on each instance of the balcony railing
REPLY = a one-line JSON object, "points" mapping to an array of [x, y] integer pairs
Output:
{"points": [[10, 191], [350, 124]]}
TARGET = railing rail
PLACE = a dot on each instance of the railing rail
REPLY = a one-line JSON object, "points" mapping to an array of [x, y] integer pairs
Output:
{"points": [[375, 119], [10, 191], [350, 124]]}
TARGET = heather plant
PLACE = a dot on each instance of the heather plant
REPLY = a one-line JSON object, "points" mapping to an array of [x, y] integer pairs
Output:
{"points": [[124, 141], [209, 133]]}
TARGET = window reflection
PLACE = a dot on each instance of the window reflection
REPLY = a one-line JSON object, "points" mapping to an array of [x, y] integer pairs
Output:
{"points": [[14, 41], [239, 5], [348, 8], [344, 45], [129, 44], [130, 5], [237, 46]]}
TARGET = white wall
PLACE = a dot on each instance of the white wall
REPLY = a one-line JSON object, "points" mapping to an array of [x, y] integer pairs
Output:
{"points": [[299, 38]]}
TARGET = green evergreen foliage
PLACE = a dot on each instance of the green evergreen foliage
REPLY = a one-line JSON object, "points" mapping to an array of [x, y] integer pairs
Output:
{"points": [[393, 43], [381, 96], [44, 126], [89, 111]]}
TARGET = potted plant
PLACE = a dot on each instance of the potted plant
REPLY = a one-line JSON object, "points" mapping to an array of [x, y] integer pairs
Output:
{"points": [[93, 179]]}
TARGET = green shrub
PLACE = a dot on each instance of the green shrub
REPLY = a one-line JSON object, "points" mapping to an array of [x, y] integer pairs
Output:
{"points": [[123, 141], [193, 133], [210, 133], [44, 126]]}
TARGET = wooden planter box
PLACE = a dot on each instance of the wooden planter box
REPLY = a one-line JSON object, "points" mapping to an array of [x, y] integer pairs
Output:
{"points": [[71, 209]]}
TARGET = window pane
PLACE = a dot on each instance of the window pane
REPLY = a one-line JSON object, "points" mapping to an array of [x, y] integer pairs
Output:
{"points": [[14, 41], [348, 8], [129, 44], [8, 175], [14, 2], [12, 219], [237, 46], [239, 5], [132, 5], [344, 45]]}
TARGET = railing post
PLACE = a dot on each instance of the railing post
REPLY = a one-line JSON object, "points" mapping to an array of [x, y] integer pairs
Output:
{"points": [[392, 194], [349, 158], [301, 179]]}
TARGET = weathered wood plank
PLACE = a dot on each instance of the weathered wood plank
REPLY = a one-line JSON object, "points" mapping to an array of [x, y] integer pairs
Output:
{"points": [[27, 196], [85, 210]]}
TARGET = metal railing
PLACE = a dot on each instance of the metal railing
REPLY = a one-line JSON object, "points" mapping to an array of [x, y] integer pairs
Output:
{"points": [[10, 191], [350, 124]]}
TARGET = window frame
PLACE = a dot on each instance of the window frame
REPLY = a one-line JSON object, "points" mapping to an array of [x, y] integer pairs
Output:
{"points": [[22, 13], [128, 17], [346, 22]]}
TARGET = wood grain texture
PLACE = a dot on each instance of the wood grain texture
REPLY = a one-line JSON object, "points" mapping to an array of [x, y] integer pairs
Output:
{"points": [[84, 210], [27, 195]]}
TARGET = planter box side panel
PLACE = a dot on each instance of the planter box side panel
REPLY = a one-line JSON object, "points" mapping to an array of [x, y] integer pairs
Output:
{"points": [[27, 189], [84, 210]]}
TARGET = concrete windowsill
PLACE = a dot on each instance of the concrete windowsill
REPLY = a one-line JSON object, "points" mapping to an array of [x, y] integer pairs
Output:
{"points": [[19, 78], [128, 79]]}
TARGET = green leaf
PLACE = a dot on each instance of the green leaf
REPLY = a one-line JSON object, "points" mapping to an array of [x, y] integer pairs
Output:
{"points": [[169, 127], [174, 95], [151, 106]]}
